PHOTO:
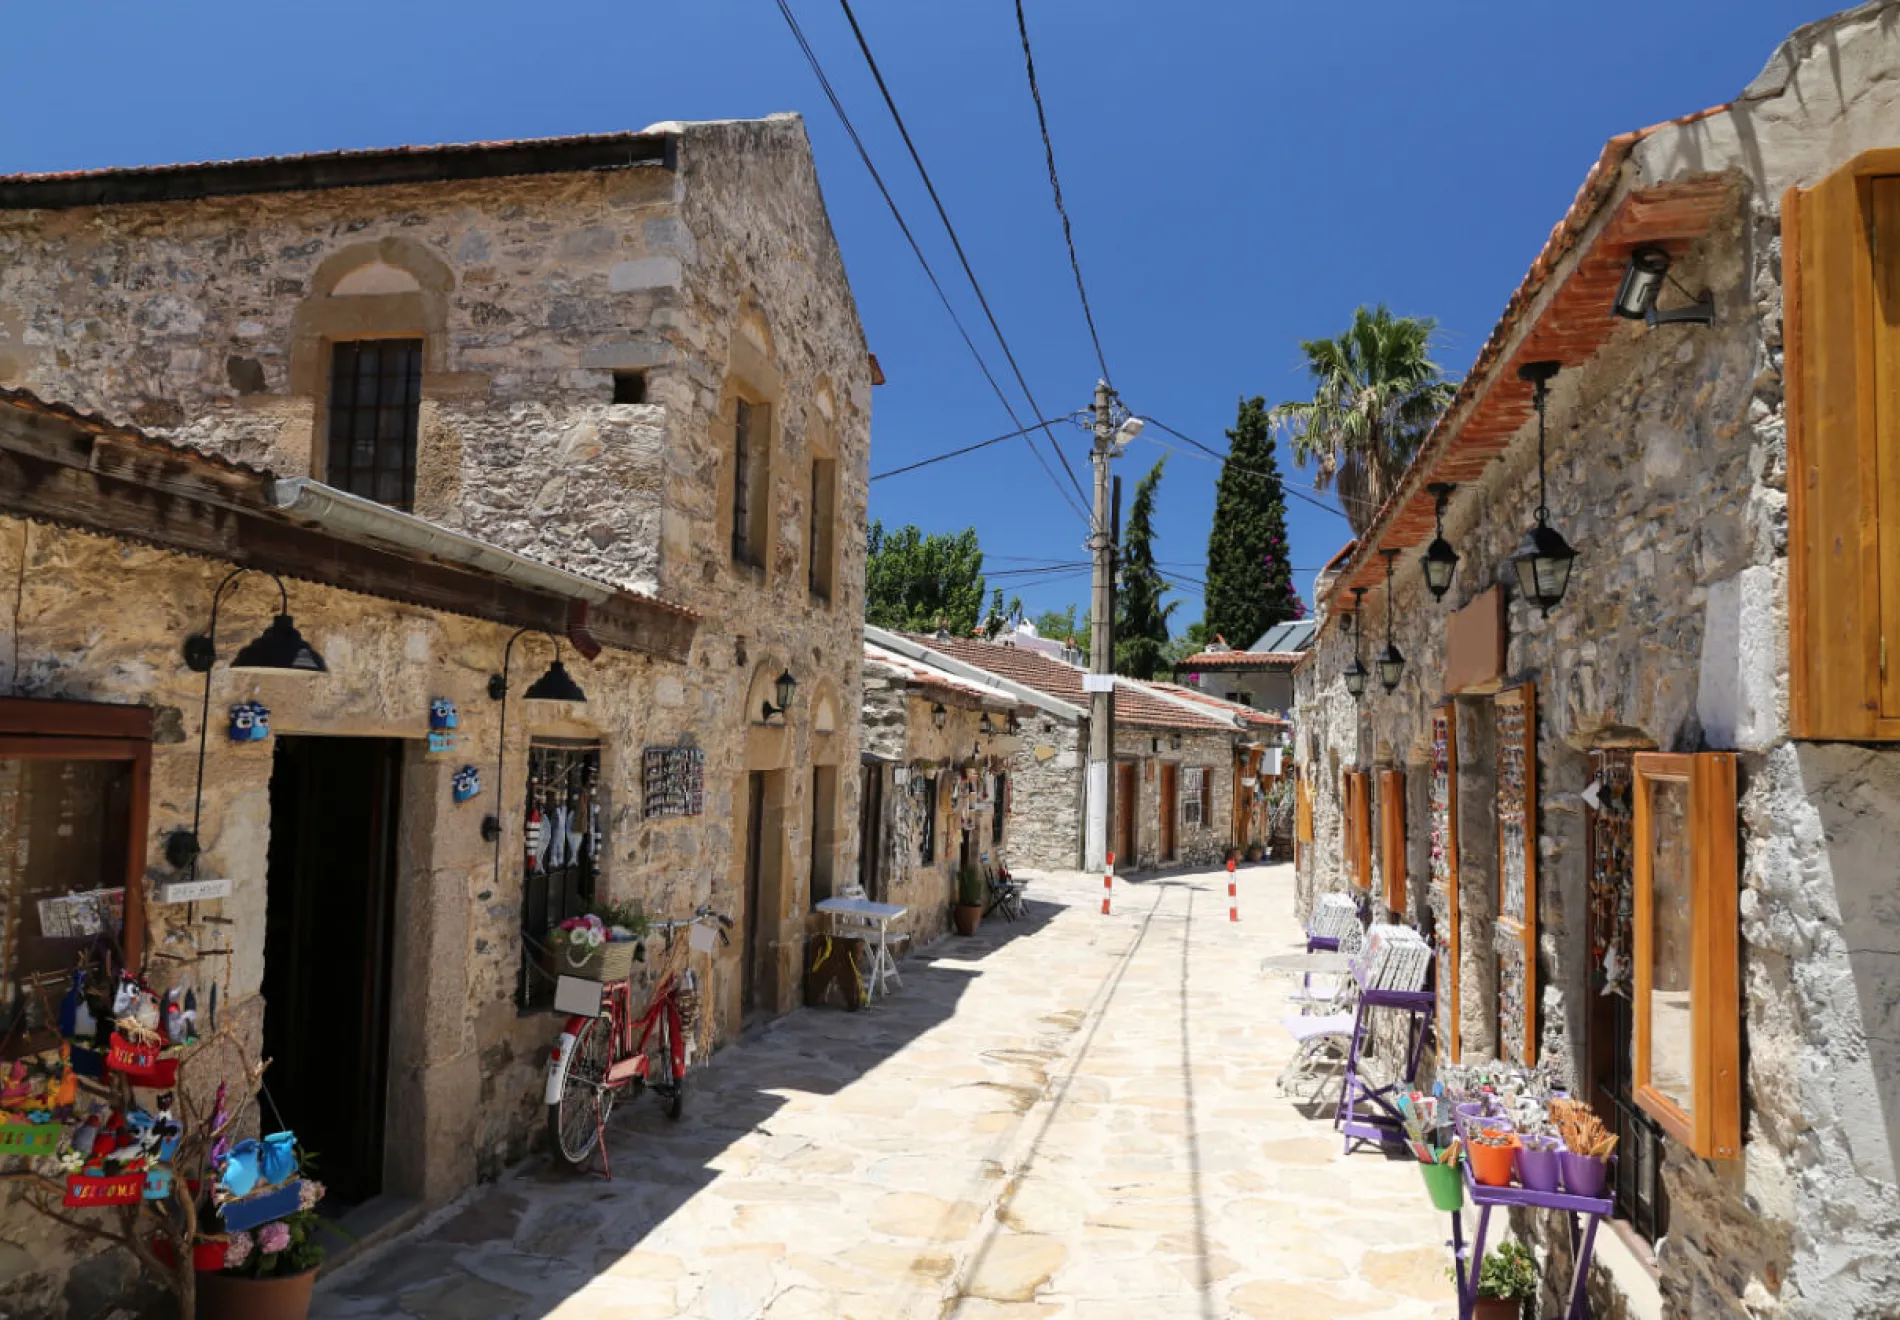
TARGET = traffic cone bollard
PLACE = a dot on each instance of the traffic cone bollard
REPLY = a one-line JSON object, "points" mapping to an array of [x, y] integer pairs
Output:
{"points": [[1233, 899], [1108, 883]]}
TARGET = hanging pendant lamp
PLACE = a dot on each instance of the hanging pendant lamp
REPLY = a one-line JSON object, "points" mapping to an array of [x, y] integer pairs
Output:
{"points": [[1355, 674], [1391, 663], [1440, 561], [1543, 559]]}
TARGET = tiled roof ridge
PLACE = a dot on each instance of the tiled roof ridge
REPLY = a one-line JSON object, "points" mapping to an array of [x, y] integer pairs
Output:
{"points": [[1226, 659]]}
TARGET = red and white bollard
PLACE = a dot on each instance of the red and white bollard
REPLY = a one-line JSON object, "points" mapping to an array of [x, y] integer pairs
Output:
{"points": [[1108, 883], [1233, 898]]}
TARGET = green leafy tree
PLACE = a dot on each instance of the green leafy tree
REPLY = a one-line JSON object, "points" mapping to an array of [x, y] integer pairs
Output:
{"points": [[1001, 616], [1249, 568], [1376, 392], [1141, 616], [1189, 642], [914, 582], [1058, 625]]}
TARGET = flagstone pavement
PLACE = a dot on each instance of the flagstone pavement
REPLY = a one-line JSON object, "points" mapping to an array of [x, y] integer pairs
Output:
{"points": [[1066, 1116]]}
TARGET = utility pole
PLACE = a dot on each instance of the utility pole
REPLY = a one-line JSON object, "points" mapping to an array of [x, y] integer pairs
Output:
{"points": [[1100, 799]]}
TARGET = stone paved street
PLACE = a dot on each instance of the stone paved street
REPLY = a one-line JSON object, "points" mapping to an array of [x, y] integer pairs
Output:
{"points": [[1065, 1116]]}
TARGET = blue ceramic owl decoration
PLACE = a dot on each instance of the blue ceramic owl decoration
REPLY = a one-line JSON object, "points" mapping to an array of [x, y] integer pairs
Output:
{"points": [[442, 714], [465, 783], [250, 722]]}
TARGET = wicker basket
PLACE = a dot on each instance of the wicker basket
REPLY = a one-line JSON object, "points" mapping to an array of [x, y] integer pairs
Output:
{"points": [[603, 962]]}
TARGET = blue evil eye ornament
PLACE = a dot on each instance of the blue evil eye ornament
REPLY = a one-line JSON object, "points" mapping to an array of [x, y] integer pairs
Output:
{"points": [[442, 714], [465, 783], [250, 722]]}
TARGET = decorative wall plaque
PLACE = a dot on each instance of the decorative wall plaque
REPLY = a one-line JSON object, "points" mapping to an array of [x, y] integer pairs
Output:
{"points": [[673, 781]]}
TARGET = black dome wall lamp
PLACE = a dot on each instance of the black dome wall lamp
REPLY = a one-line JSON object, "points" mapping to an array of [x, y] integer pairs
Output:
{"points": [[1355, 674], [279, 649], [555, 685], [938, 715], [1543, 559], [1642, 283], [784, 688], [1440, 561], [1391, 662]]}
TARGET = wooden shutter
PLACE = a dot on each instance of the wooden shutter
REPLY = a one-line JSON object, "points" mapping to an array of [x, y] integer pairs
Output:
{"points": [[1303, 811], [1359, 827], [1392, 838], [1841, 314]]}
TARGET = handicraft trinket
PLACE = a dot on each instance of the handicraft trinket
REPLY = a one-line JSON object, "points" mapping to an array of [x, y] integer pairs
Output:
{"points": [[250, 722], [465, 783]]}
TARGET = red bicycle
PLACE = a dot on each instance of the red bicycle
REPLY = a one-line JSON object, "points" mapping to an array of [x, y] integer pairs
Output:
{"points": [[601, 1055]]}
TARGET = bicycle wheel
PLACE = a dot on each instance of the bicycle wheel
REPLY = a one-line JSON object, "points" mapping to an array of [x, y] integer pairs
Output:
{"points": [[670, 1090], [573, 1128]]}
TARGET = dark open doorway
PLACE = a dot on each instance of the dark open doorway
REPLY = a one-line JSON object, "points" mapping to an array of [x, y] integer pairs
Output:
{"points": [[331, 895]]}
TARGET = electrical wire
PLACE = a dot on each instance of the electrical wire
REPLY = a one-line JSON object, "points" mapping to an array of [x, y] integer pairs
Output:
{"points": [[1291, 488], [837, 106], [1055, 185], [958, 453], [983, 301]]}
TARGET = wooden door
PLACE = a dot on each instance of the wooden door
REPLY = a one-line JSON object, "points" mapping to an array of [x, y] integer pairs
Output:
{"points": [[330, 891], [754, 887], [1127, 802], [871, 831], [1170, 807]]}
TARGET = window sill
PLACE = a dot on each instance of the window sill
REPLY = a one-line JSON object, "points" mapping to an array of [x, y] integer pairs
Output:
{"points": [[1630, 1264]]}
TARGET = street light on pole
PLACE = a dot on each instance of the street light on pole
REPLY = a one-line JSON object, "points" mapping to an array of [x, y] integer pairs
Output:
{"points": [[1110, 440]]}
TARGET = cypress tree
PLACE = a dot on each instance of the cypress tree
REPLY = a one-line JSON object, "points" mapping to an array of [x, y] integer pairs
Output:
{"points": [[1249, 567], [1141, 619]]}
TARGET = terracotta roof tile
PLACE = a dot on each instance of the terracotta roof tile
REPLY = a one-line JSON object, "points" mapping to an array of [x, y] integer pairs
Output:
{"points": [[1133, 705], [1239, 660], [1258, 718]]}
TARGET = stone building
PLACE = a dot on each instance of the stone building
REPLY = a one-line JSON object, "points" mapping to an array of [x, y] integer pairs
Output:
{"points": [[1179, 757], [626, 365], [1649, 828], [935, 790]]}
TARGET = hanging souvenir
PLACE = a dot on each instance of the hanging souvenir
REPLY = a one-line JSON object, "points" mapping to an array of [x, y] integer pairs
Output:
{"points": [[465, 783], [443, 719], [250, 722], [531, 837]]}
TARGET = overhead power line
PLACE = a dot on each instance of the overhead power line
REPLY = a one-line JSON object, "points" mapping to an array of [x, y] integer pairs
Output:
{"points": [[1055, 185], [1291, 488], [837, 106], [963, 259], [958, 453]]}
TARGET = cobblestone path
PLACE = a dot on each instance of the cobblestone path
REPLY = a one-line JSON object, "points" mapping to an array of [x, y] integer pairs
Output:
{"points": [[1067, 1116]]}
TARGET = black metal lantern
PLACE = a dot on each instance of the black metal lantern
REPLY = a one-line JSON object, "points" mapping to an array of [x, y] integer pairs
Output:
{"points": [[784, 687], [938, 715], [1355, 675], [1543, 559], [1391, 662], [1642, 281], [986, 725], [1440, 561]]}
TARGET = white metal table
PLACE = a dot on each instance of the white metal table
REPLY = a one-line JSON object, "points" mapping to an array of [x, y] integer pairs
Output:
{"points": [[861, 914]]}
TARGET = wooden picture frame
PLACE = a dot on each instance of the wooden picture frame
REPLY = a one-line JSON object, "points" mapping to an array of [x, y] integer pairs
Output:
{"points": [[1444, 869], [1516, 711], [1695, 910], [1392, 839]]}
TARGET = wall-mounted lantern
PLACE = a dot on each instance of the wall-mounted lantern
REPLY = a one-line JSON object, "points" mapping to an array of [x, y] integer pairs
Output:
{"points": [[1355, 675], [938, 715], [1642, 284], [1440, 561], [785, 688]]}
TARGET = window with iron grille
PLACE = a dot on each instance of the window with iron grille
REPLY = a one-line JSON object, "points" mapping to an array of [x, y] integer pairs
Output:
{"points": [[565, 819], [375, 398], [1194, 795], [999, 808], [927, 850], [747, 438]]}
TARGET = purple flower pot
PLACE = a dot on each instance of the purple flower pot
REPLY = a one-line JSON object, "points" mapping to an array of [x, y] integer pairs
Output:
{"points": [[1538, 1162], [1584, 1175]]}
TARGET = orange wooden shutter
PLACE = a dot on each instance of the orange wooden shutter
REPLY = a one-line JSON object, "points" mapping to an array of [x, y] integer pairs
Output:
{"points": [[1840, 269], [1392, 837]]}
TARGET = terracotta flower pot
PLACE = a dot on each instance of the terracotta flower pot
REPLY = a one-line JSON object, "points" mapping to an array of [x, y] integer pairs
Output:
{"points": [[1497, 1308], [237, 1297], [968, 918]]}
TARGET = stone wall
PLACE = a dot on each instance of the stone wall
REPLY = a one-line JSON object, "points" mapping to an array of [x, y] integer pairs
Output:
{"points": [[1048, 771]]}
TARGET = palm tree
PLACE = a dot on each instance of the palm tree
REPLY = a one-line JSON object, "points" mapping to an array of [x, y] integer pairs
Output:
{"points": [[1377, 392]]}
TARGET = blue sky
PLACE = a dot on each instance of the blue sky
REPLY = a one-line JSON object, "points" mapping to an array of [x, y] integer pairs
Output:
{"points": [[1240, 174]]}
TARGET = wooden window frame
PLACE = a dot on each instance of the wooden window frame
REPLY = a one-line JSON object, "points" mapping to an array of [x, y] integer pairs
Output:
{"points": [[821, 572], [338, 471], [1843, 684], [1392, 838], [1523, 933], [95, 731], [1712, 1128], [1445, 878], [1195, 775], [927, 846]]}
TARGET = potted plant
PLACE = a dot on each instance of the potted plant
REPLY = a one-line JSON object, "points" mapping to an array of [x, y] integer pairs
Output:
{"points": [[268, 1273], [969, 912], [1506, 1280]]}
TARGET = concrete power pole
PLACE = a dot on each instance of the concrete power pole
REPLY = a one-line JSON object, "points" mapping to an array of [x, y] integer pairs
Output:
{"points": [[1100, 799]]}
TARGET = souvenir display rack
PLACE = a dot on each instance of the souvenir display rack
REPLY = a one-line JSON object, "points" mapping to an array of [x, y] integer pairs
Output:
{"points": [[1444, 841], [1388, 978], [1516, 939], [1612, 872], [1581, 1213]]}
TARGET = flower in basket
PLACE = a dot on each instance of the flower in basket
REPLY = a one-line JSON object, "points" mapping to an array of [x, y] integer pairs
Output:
{"points": [[237, 1250], [273, 1238]]}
